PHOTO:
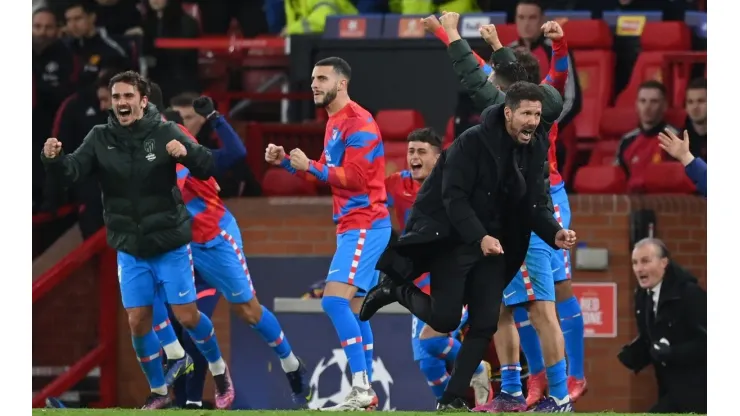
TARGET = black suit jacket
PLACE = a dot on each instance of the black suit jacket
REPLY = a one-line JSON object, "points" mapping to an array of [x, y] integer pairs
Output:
{"points": [[454, 203]]}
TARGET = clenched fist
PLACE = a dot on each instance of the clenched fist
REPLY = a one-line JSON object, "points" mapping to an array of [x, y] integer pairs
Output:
{"points": [[52, 148], [489, 34], [552, 30], [565, 239], [449, 20], [299, 160], [431, 23], [491, 246], [176, 149], [274, 154]]}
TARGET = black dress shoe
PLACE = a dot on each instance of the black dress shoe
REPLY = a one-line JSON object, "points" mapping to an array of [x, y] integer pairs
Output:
{"points": [[457, 405], [381, 295]]}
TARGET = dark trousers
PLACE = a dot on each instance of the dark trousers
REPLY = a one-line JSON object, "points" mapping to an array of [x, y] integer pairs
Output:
{"points": [[191, 386], [458, 276]]}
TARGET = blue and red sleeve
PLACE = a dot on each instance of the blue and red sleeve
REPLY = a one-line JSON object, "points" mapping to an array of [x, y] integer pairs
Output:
{"points": [[390, 182], [442, 35], [362, 148], [558, 73]]}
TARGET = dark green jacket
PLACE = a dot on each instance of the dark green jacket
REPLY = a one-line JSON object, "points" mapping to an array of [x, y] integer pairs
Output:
{"points": [[144, 211], [483, 93]]}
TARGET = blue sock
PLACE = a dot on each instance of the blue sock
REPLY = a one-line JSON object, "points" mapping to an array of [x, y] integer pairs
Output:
{"points": [[511, 381], [529, 341], [162, 324], [557, 380], [205, 339], [149, 355], [269, 329], [367, 345], [345, 324], [571, 321], [435, 371]]}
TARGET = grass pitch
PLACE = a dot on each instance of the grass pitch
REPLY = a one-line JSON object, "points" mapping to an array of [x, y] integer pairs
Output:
{"points": [[134, 412]]}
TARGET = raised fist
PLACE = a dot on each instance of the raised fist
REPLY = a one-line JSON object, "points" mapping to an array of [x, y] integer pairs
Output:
{"points": [[274, 154], [552, 30], [204, 106], [52, 148], [176, 149]]}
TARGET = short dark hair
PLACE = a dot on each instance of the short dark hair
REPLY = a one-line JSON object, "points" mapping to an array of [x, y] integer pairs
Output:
{"points": [[697, 84], [87, 6], [653, 84], [132, 78], [531, 65], [184, 99], [425, 135], [532, 3], [339, 65], [521, 91], [155, 96], [508, 73], [45, 9], [172, 115]]}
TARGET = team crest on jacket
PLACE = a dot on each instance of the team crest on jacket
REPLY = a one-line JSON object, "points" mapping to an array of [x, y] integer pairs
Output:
{"points": [[149, 148]]}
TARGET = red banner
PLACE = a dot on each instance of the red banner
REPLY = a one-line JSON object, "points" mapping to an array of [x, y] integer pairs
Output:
{"points": [[599, 308]]}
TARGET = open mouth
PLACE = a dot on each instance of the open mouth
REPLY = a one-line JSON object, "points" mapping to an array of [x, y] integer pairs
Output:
{"points": [[415, 167], [527, 133], [124, 111], [643, 279]]}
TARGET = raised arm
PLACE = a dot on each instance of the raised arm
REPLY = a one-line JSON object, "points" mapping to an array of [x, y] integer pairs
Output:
{"points": [[198, 159], [73, 167]]}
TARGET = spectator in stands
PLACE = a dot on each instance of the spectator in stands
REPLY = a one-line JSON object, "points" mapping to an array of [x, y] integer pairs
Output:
{"points": [[430, 7], [92, 45], [175, 70], [696, 168], [119, 17], [53, 80], [696, 119], [309, 16], [237, 181], [640, 147]]}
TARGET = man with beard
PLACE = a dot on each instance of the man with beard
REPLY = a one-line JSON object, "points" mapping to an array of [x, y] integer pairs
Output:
{"points": [[432, 350], [134, 157], [483, 199], [353, 164]]}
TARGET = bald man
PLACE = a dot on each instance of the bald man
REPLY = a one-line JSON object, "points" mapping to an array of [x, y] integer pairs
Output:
{"points": [[671, 315]]}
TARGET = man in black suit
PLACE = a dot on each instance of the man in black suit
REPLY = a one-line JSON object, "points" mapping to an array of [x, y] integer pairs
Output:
{"points": [[483, 198], [671, 315]]}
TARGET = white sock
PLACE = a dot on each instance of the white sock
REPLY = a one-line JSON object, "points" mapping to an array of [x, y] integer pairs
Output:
{"points": [[218, 367], [199, 404], [359, 379], [174, 350], [290, 363], [160, 390]]}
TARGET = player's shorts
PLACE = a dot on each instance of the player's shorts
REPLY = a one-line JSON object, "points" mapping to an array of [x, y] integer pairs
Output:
{"points": [[171, 272], [417, 325], [357, 253], [536, 278], [222, 264]]}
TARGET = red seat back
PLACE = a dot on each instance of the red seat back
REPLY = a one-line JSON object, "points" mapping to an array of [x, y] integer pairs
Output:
{"points": [[604, 153], [395, 125], [596, 77], [616, 122], [600, 180], [507, 33], [588, 34], [667, 178]]}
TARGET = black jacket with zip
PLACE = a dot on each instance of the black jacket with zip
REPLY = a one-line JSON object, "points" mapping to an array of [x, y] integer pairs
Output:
{"points": [[144, 212]]}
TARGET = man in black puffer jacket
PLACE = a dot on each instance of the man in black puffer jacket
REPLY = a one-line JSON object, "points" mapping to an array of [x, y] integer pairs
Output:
{"points": [[134, 158]]}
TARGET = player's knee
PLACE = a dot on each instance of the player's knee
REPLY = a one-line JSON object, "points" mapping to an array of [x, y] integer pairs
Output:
{"points": [[139, 320], [333, 304], [506, 317], [187, 315], [250, 312], [563, 290], [542, 314]]}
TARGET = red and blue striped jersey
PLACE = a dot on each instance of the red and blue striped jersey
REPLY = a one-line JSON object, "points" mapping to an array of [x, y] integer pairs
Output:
{"points": [[353, 164], [557, 76], [402, 190]]}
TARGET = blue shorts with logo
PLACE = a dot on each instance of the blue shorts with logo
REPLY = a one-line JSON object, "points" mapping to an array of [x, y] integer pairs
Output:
{"points": [[222, 264], [543, 266], [171, 273], [417, 325], [358, 251]]}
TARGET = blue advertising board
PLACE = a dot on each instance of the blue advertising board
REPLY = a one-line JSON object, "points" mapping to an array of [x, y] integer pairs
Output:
{"points": [[260, 382]]}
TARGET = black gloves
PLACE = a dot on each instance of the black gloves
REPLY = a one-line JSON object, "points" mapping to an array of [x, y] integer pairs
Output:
{"points": [[204, 106]]}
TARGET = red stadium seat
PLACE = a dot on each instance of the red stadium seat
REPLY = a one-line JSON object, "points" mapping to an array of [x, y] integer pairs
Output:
{"points": [[394, 163], [604, 153], [667, 178], [596, 77], [588, 34], [600, 180], [280, 182], [395, 125], [615, 122]]}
